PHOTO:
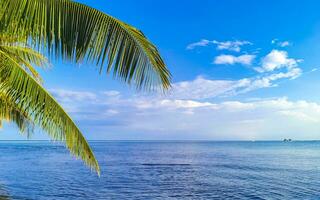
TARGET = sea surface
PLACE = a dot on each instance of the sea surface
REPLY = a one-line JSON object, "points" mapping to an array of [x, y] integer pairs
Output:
{"points": [[162, 170]]}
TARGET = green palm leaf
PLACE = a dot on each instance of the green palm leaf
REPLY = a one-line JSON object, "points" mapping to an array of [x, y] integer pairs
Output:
{"points": [[79, 33], [10, 112], [25, 56], [31, 98], [24, 101]]}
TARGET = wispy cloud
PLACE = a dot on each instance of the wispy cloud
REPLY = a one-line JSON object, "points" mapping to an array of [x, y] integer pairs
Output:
{"points": [[221, 45], [69, 95], [111, 93], [230, 59], [231, 45], [202, 88], [268, 80], [280, 43], [201, 43]]}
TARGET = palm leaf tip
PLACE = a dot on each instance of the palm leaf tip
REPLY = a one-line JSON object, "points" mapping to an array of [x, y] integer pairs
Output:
{"points": [[81, 149]]}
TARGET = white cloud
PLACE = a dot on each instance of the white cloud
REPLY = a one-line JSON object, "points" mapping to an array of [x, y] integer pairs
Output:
{"points": [[235, 119], [274, 66], [238, 120], [69, 95], [231, 45], [183, 104], [224, 45], [268, 80], [301, 116], [111, 112], [276, 60], [280, 43], [314, 70], [111, 93], [292, 74], [284, 44], [201, 88], [230, 59], [201, 43]]}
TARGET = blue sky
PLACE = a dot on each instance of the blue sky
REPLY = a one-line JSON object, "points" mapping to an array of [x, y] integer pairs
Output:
{"points": [[241, 70]]}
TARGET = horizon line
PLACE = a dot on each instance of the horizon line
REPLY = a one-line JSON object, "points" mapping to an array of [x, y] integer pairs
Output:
{"points": [[165, 140]]}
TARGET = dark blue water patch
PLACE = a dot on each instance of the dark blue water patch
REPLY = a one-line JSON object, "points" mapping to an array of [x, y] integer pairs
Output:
{"points": [[162, 170], [167, 164]]}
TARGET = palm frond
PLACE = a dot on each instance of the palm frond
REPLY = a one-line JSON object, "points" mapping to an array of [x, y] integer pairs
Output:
{"points": [[10, 112], [26, 57], [44, 111], [76, 32], [13, 45]]}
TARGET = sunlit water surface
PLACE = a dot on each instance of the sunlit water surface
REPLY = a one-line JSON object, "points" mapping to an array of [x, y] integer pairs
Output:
{"points": [[162, 170]]}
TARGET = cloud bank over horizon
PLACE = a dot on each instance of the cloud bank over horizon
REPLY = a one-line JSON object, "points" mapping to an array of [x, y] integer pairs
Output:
{"points": [[109, 114]]}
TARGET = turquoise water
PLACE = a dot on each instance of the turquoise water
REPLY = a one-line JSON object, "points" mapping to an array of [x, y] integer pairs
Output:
{"points": [[163, 170]]}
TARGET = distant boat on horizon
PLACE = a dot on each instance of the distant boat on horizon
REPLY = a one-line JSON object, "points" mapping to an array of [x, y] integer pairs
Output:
{"points": [[287, 140]]}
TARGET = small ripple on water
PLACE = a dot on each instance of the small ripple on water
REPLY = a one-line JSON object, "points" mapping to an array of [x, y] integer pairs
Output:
{"points": [[165, 164]]}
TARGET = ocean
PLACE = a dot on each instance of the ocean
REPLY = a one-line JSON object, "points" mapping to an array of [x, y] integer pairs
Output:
{"points": [[162, 170]]}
